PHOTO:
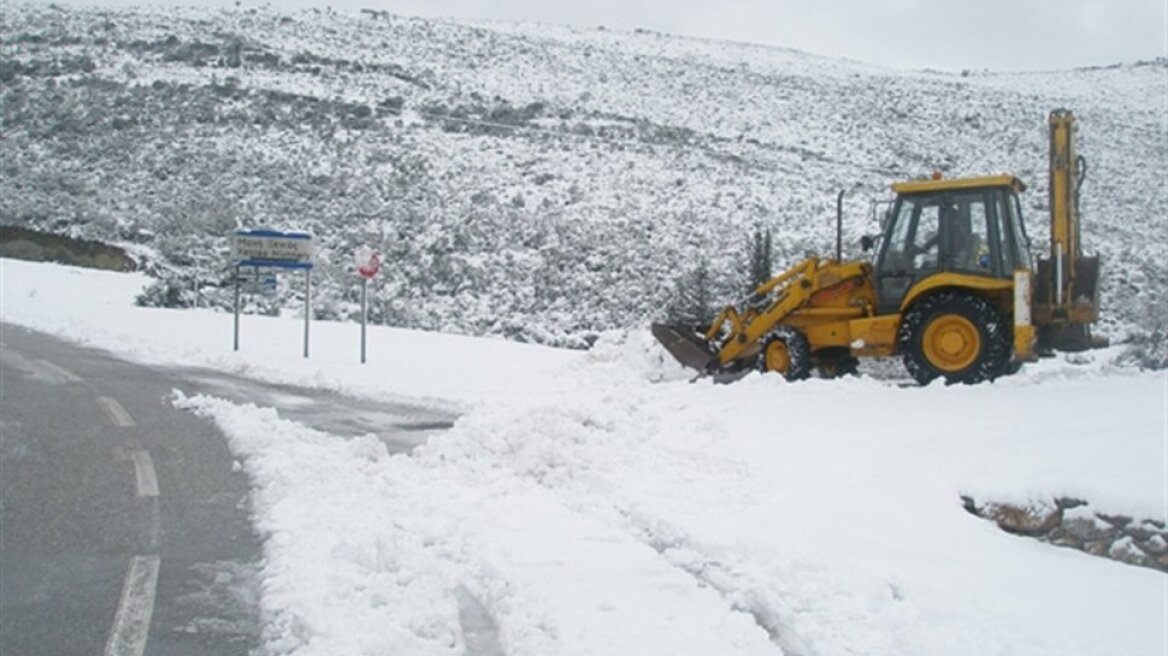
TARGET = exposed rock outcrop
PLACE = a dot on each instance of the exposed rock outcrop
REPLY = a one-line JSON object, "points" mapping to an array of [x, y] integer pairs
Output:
{"points": [[1070, 523]]}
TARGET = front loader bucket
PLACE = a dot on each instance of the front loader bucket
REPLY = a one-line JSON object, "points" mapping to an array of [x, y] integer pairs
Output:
{"points": [[685, 346]]}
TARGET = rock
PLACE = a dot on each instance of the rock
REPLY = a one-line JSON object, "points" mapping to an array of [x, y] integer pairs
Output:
{"points": [[970, 505], [1138, 534], [1125, 550], [1088, 529], [1118, 521], [1156, 545], [1067, 522], [1098, 547], [1066, 503], [1067, 540], [1038, 518]]}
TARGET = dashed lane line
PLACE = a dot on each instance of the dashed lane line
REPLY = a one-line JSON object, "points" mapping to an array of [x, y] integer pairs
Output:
{"points": [[116, 412], [131, 627], [41, 371], [145, 479], [63, 373], [136, 607]]}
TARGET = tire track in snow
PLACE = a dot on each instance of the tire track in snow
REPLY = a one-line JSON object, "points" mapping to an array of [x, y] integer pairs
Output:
{"points": [[683, 556]]}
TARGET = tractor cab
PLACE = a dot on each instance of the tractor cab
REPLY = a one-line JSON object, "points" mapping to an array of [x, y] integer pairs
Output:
{"points": [[967, 226]]}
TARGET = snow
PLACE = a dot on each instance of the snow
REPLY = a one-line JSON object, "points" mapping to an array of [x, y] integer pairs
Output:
{"points": [[600, 502]]}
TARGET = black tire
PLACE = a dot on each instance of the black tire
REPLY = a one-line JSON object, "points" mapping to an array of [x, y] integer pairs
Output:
{"points": [[786, 351], [835, 363], [955, 335]]}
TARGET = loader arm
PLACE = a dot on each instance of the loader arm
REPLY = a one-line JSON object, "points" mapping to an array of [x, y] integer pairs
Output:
{"points": [[792, 289], [789, 292], [738, 320]]}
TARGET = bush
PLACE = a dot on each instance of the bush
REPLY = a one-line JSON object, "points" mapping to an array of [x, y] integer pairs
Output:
{"points": [[167, 293], [1147, 350]]}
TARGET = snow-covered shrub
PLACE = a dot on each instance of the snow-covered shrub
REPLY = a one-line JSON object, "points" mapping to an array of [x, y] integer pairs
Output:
{"points": [[1147, 350]]}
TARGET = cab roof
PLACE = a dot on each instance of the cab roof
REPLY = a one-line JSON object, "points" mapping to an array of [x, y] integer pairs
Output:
{"points": [[952, 184]]}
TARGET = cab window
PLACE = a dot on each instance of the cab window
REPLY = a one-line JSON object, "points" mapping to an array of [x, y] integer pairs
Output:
{"points": [[914, 241], [911, 250], [1021, 240], [968, 228], [927, 237], [1002, 226]]}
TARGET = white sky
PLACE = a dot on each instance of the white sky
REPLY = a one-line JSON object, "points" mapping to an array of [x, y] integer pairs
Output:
{"points": [[943, 34]]}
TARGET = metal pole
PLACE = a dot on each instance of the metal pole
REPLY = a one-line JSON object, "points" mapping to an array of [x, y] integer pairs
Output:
{"points": [[839, 226], [364, 314], [237, 274], [1058, 274], [307, 306]]}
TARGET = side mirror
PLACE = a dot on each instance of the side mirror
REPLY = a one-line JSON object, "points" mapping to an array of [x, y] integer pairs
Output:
{"points": [[867, 243]]}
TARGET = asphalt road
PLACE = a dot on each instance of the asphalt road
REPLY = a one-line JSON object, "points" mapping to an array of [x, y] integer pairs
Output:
{"points": [[123, 528]]}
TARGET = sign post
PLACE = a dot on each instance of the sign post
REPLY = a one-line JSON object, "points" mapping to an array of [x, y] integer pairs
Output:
{"points": [[368, 264], [272, 248], [307, 306], [237, 275]]}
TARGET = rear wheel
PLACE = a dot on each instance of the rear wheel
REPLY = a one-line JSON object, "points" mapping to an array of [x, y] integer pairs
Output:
{"points": [[785, 351], [954, 335]]}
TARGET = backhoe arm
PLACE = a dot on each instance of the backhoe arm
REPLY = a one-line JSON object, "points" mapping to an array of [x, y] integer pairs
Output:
{"points": [[1066, 293], [1065, 170]]}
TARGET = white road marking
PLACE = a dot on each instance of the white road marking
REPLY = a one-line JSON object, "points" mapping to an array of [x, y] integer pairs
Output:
{"points": [[62, 372], [155, 524], [39, 370], [116, 412], [132, 621], [144, 476]]}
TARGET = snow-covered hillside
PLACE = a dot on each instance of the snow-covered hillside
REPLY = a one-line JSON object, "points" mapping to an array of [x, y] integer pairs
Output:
{"points": [[537, 182], [598, 504]]}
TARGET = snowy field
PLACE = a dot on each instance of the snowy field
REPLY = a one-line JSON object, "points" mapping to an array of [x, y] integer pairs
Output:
{"points": [[599, 503]]}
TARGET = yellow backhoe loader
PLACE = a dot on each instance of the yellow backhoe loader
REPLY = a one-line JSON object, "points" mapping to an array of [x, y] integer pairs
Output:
{"points": [[951, 288]]}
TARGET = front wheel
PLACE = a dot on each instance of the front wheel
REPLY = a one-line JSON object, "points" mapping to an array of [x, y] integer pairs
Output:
{"points": [[786, 351], [954, 335]]}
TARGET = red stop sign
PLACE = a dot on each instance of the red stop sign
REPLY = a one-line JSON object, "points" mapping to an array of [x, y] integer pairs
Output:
{"points": [[368, 262]]}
